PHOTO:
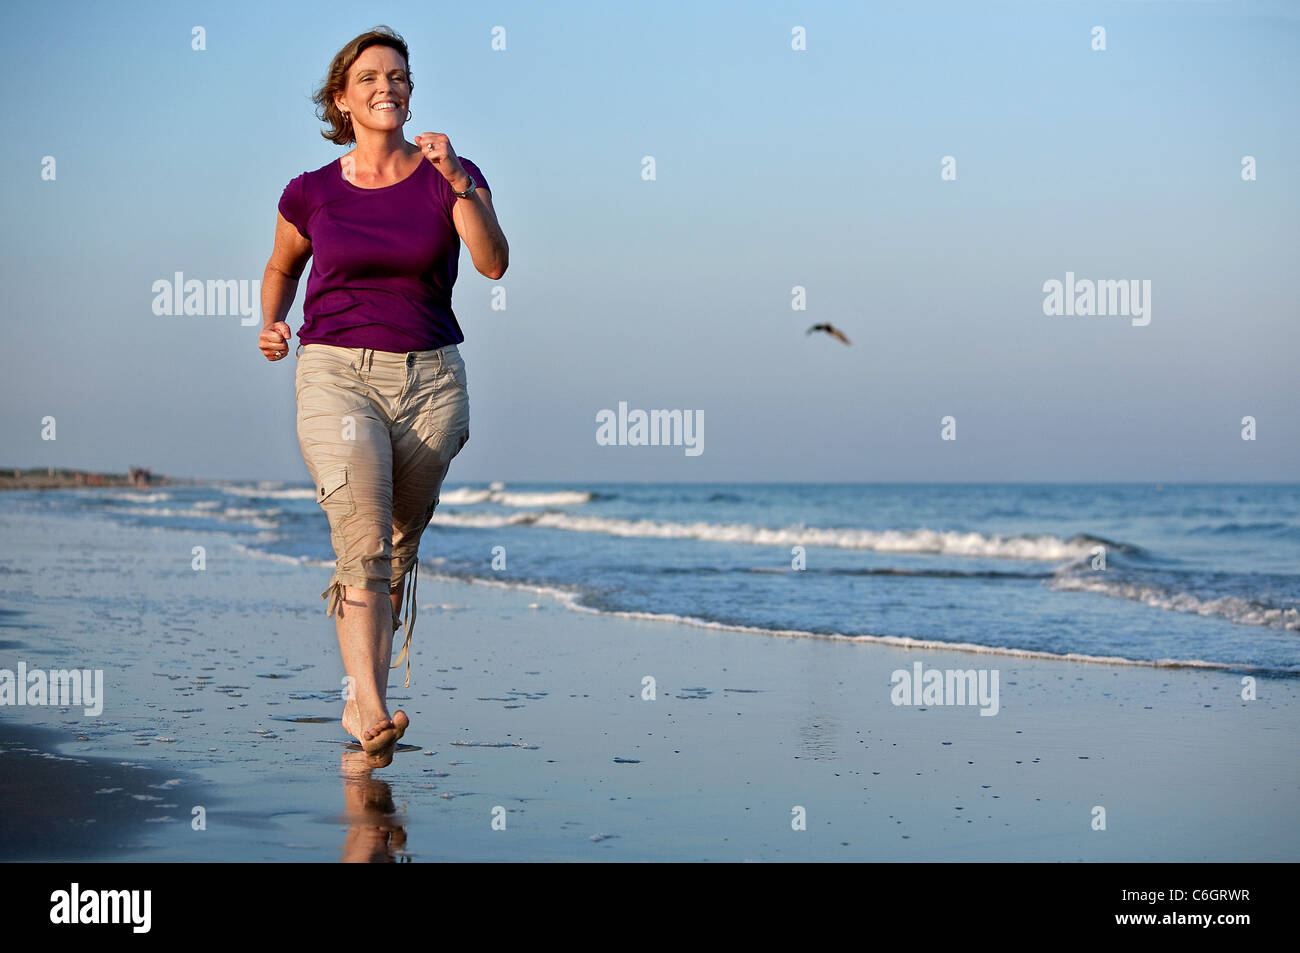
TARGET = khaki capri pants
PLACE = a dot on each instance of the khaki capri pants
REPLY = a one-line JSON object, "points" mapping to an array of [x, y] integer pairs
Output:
{"points": [[378, 430]]}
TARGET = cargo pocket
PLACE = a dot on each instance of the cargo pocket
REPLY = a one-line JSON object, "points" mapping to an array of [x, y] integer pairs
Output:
{"points": [[333, 492]]}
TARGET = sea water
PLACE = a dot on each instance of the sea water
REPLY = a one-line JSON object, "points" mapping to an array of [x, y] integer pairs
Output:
{"points": [[1184, 574]]}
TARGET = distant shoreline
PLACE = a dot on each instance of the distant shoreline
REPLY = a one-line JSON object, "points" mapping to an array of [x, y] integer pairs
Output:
{"points": [[53, 478]]}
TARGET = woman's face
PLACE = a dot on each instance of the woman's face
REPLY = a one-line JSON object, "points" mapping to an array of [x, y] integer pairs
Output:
{"points": [[378, 91]]}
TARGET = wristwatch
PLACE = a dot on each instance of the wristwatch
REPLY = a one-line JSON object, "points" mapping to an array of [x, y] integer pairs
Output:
{"points": [[469, 191]]}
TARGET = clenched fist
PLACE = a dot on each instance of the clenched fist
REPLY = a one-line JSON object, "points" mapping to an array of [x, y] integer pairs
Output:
{"points": [[274, 341], [437, 149]]}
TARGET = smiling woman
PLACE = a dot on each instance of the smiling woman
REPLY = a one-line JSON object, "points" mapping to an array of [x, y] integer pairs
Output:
{"points": [[383, 404]]}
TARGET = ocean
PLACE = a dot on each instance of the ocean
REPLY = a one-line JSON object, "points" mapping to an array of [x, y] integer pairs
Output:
{"points": [[1173, 574]]}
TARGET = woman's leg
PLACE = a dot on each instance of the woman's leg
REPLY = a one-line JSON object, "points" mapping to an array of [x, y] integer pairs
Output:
{"points": [[364, 622], [343, 429], [429, 429]]}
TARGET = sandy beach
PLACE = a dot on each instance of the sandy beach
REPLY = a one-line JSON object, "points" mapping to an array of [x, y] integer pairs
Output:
{"points": [[535, 740]]}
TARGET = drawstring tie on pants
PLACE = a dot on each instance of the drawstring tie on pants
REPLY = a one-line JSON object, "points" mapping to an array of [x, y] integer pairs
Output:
{"points": [[409, 598]]}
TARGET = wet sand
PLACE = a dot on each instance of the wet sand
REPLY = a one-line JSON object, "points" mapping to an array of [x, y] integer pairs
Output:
{"points": [[227, 682], [67, 807]]}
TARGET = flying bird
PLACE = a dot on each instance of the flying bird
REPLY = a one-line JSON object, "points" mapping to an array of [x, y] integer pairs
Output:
{"points": [[831, 330]]}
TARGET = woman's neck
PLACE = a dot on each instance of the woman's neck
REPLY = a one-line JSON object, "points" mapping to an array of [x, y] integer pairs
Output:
{"points": [[384, 156]]}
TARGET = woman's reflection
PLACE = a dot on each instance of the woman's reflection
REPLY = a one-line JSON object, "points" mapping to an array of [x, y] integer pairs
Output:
{"points": [[375, 832]]}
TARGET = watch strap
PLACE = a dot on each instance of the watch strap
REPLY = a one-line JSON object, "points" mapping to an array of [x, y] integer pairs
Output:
{"points": [[469, 191]]}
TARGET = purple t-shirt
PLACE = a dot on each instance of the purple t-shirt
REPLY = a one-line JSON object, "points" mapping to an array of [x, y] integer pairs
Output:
{"points": [[383, 260]]}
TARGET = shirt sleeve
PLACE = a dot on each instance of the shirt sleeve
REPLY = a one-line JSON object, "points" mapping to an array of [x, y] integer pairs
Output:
{"points": [[475, 173], [293, 205]]}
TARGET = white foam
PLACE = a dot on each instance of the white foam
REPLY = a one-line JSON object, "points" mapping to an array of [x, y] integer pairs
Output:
{"points": [[1240, 611], [254, 517], [139, 497], [569, 599], [465, 496], [238, 513], [1038, 547], [278, 557], [555, 498], [294, 493]]}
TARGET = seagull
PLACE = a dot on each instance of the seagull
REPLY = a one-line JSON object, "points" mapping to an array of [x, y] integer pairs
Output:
{"points": [[829, 329]]}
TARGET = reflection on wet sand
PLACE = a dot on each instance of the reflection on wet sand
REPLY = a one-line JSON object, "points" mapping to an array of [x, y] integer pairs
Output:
{"points": [[375, 832]]}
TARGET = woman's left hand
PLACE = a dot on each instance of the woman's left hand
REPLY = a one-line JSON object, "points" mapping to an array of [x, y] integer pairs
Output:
{"points": [[437, 149]]}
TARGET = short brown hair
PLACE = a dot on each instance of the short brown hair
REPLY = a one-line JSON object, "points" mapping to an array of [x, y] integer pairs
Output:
{"points": [[336, 81]]}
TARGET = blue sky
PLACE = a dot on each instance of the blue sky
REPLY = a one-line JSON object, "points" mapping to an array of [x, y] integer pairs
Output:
{"points": [[775, 168]]}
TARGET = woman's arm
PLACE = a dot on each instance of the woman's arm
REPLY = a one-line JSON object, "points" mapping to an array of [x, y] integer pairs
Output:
{"points": [[279, 285], [476, 222], [474, 217]]}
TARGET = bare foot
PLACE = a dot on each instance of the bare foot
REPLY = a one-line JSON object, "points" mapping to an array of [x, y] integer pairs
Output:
{"points": [[385, 733], [382, 736], [380, 742]]}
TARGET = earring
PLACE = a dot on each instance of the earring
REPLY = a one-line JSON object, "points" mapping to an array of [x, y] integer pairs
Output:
{"points": [[408, 115]]}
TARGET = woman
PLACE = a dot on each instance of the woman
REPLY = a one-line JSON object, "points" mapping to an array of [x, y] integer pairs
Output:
{"points": [[381, 388]]}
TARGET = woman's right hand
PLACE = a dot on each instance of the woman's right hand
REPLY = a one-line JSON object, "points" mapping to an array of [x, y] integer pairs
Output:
{"points": [[274, 341]]}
